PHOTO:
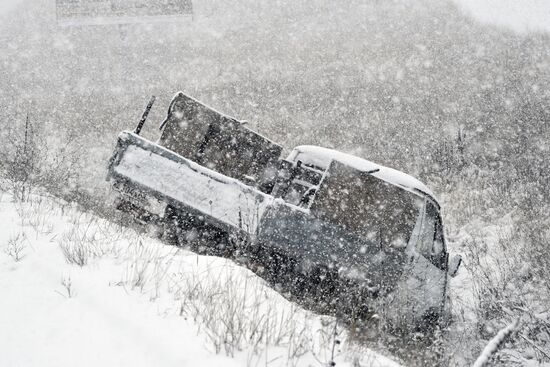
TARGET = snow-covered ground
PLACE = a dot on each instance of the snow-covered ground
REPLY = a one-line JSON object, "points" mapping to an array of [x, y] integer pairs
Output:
{"points": [[80, 291]]}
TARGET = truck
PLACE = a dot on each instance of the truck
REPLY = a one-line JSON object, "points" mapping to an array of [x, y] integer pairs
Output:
{"points": [[351, 236]]}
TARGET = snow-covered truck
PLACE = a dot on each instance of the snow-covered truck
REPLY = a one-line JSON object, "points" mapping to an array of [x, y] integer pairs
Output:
{"points": [[359, 236]]}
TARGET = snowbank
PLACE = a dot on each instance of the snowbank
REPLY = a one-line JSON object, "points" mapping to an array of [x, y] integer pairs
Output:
{"points": [[136, 302]]}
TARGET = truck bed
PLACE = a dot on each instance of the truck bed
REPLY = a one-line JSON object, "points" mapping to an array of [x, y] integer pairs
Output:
{"points": [[143, 167]]}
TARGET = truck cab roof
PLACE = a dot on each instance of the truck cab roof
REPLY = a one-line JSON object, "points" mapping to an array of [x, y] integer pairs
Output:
{"points": [[322, 157]]}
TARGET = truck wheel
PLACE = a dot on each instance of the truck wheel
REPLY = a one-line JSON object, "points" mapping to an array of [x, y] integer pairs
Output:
{"points": [[430, 320], [170, 224]]}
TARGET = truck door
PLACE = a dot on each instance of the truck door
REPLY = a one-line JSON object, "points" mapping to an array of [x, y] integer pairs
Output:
{"points": [[429, 262], [420, 296]]}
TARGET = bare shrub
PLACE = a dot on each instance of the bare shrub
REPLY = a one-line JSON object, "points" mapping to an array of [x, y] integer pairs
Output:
{"points": [[90, 237], [535, 232], [68, 290], [78, 245], [505, 287], [225, 314], [31, 158], [237, 312], [37, 212], [16, 246], [76, 253], [147, 266], [448, 157], [20, 161]]}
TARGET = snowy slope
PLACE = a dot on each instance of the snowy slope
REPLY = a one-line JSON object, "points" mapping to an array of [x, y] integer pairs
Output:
{"points": [[136, 302]]}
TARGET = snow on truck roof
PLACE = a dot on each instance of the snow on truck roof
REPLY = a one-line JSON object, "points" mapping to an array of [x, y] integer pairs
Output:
{"points": [[321, 157]]}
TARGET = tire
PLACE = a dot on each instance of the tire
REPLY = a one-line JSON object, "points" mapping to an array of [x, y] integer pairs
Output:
{"points": [[430, 320]]}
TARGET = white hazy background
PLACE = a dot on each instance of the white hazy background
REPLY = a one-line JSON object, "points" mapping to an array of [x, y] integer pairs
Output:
{"points": [[518, 15], [7, 5]]}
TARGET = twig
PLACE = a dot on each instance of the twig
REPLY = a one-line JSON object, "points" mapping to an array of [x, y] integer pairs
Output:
{"points": [[494, 344], [334, 342], [535, 346]]}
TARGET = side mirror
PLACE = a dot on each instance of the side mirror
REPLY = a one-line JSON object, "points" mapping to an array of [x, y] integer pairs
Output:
{"points": [[454, 265]]}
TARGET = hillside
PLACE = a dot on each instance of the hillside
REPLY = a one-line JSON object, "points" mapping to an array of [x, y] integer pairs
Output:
{"points": [[417, 85], [78, 290]]}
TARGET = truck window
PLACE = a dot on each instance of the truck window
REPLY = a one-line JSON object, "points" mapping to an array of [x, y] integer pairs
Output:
{"points": [[427, 233], [439, 252], [430, 242]]}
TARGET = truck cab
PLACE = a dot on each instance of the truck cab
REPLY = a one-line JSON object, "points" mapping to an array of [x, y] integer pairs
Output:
{"points": [[371, 226]]}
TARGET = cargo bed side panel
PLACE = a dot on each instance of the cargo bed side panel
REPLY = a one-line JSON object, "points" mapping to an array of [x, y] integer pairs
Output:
{"points": [[172, 178]]}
